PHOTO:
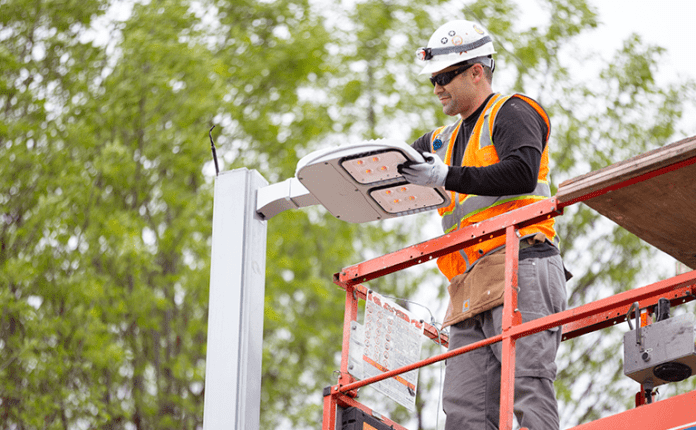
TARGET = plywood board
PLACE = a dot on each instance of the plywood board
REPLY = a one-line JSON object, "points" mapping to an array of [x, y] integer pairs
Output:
{"points": [[659, 209], [582, 186]]}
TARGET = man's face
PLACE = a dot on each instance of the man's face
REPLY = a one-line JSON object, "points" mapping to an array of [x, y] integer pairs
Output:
{"points": [[456, 96]]}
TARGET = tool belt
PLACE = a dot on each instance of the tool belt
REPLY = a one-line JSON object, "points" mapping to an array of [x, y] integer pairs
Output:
{"points": [[483, 287]]}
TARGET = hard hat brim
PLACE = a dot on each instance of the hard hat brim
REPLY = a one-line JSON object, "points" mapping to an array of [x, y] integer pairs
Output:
{"points": [[434, 67]]}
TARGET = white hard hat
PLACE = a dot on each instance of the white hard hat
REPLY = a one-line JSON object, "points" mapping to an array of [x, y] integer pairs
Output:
{"points": [[456, 42]]}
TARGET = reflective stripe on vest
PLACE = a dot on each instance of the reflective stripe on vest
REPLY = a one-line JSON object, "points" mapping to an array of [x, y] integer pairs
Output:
{"points": [[466, 209], [473, 204]]}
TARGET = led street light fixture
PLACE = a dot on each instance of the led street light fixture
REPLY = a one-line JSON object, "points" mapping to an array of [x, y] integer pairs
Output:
{"points": [[374, 168], [404, 198], [360, 183]]}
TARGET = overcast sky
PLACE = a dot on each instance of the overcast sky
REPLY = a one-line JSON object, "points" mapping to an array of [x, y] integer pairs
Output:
{"points": [[667, 23]]}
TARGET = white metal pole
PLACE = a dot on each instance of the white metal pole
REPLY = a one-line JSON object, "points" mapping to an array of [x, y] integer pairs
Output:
{"points": [[235, 315]]}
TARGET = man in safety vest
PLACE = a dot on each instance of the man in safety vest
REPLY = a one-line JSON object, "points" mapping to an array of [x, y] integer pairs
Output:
{"points": [[492, 160]]}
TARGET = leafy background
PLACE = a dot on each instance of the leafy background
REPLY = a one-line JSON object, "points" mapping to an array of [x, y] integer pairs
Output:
{"points": [[106, 190]]}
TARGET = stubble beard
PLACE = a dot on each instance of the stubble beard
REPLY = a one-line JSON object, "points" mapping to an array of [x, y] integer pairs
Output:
{"points": [[451, 107]]}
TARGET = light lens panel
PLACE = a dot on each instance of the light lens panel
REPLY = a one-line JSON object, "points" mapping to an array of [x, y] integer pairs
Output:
{"points": [[373, 168], [407, 198]]}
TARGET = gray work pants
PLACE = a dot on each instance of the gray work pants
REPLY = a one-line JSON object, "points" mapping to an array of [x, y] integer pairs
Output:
{"points": [[471, 393]]}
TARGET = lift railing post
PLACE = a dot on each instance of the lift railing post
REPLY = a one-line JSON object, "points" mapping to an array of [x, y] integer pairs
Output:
{"points": [[235, 313], [511, 317], [330, 410], [350, 315]]}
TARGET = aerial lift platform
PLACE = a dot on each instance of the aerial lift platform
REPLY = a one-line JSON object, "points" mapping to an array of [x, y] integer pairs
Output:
{"points": [[652, 195]]}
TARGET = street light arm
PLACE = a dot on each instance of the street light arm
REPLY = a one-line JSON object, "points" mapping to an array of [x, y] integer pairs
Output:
{"points": [[276, 198]]}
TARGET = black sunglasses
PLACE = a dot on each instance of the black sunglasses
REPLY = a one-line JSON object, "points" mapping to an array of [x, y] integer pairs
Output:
{"points": [[445, 78]]}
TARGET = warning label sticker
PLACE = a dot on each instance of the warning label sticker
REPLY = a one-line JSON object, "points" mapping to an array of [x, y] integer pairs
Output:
{"points": [[391, 339]]}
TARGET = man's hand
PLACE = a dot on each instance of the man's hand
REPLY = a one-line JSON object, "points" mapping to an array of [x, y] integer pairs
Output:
{"points": [[431, 173]]}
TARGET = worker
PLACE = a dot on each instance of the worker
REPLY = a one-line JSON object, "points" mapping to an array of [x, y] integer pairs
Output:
{"points": [[492, 160]]}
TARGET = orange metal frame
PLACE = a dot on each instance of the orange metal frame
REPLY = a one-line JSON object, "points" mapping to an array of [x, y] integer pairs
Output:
{"points": [[674, 413]]}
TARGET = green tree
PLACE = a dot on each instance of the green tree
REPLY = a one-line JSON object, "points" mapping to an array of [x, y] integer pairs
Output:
{"points": [[106, 218], [44, 345]]}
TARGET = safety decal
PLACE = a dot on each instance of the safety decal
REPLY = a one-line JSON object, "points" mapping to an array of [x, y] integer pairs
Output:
{"points": [[443, 40], [457, 40], [478, 30], [437, 144]]}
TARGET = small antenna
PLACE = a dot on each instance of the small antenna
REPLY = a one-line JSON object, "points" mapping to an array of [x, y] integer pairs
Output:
{"points": [[212, 146]]}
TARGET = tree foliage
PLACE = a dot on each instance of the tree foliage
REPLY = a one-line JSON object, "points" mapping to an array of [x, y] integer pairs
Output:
{"points": [[106, 192], [105, 240]]}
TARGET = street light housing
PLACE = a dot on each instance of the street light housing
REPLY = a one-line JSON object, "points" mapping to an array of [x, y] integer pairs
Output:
{"points": [[360, 182]]}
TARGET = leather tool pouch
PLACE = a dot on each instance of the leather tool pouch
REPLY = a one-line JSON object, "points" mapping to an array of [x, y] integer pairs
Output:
{"points": [[483, 287], [478, 290]]}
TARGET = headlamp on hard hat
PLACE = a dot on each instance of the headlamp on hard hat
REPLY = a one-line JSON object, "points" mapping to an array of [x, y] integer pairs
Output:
{"points": [[424, 54]]}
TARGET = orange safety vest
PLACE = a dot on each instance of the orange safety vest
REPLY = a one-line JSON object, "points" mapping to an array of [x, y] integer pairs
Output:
{"points": [[467, 209]]}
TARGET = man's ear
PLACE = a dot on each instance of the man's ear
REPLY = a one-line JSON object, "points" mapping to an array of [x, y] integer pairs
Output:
{"points": [[477, 72]]}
